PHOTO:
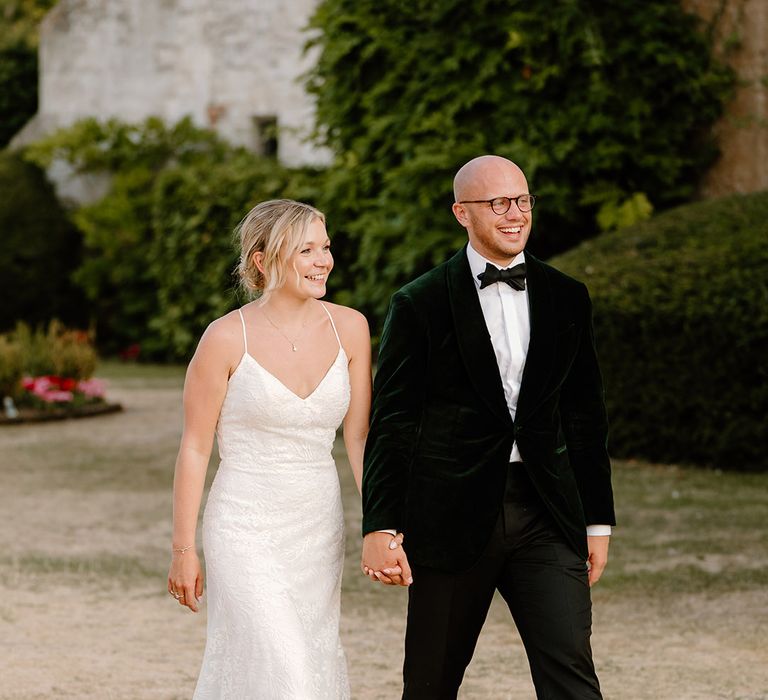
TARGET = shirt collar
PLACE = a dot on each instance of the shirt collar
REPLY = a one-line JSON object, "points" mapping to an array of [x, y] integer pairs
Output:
{"points": [[477, 262]]}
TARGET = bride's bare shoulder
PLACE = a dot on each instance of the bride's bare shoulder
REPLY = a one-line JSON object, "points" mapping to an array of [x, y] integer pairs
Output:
{"points": [[347, 316], [222, 340], [351, 324]]}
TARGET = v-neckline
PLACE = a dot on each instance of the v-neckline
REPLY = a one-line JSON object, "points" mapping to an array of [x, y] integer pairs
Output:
{"points": [[282, 383]]}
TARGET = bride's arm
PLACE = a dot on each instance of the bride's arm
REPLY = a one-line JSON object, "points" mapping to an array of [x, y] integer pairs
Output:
{"points": [[204, 389], [358, 341]]}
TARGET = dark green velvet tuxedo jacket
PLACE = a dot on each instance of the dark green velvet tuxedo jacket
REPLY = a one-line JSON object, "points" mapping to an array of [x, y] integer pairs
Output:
{"points": [[441, 433]]}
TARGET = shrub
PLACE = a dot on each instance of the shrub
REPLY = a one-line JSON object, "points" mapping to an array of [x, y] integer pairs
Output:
{"points": [[158, 247], [118, 230], [73, 355], [55, 351], [11, 367], [192, 253], [36, 350], [39, 249], [681, 318]]}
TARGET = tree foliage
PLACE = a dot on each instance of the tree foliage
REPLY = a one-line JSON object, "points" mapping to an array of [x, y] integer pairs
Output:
{"points": [[158, 247], [19, 20], [681, 319], [607, 107]]}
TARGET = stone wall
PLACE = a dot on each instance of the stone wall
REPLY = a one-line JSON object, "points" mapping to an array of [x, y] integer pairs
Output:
{"points": [[230, 64]]}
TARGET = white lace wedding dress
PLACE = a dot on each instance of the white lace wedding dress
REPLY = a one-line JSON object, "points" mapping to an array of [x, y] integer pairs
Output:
{"points": [[273, 539]]}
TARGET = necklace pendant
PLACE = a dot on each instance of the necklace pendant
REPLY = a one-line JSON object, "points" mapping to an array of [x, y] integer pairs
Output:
{"points": [[294, 348]]}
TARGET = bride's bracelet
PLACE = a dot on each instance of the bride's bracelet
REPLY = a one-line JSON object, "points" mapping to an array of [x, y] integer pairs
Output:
{"points": [[181, 550]]}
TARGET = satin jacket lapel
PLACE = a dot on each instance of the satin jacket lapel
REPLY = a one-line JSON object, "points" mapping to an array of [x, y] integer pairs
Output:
{"points": [[472, 335], [541, 348]]}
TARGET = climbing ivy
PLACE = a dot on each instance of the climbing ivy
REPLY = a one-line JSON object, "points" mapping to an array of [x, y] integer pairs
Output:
{"points": [[608, 108]]}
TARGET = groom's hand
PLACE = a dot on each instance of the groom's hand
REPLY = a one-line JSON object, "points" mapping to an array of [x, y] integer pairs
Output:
{"points": [[384, 559], [598, 556]]}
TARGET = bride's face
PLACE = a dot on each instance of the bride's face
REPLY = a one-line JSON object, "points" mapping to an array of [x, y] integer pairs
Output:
{"points": [[312, 263]]}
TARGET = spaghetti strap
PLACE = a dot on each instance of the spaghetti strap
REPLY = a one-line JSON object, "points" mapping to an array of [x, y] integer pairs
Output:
{"points": [[245, 338], [333, 325]]}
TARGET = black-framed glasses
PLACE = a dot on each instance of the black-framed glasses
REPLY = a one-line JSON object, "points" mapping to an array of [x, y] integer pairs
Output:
{"points": [[501, 205]]}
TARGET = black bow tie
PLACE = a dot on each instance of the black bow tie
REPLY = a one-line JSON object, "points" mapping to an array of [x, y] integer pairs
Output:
{"points": [[513, 276]]}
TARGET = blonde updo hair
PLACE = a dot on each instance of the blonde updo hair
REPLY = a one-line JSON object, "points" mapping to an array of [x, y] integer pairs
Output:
{"points": [[277, 228]]}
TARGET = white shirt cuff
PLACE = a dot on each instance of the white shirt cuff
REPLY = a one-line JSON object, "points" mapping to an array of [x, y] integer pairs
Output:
{"points": [[592, 531], [598, 530]]}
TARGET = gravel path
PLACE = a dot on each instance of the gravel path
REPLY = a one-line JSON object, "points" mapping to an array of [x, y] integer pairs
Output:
{"points": [[84, 612]]}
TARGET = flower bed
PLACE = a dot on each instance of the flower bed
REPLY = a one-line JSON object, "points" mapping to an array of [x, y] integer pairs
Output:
{"points": [[47, 375], [51, 397]]}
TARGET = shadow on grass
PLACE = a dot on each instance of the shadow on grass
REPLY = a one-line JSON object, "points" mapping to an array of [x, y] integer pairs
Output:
{"points": [[683, 579], [135, 375], [84, 569]]}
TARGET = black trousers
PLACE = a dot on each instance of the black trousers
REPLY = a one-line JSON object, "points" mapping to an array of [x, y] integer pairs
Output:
{"points": [[544, 583]]}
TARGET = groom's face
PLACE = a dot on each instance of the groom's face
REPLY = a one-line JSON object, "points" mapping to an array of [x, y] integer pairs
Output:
{"points": [[497, 237]]}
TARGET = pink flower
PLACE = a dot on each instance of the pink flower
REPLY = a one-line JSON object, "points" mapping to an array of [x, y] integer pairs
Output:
{"points": [[92, 388], [41, 386], [57, 396], [53, 389]]}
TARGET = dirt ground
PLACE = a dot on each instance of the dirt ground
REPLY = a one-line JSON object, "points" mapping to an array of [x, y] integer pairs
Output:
{"points": [[84, 612]]}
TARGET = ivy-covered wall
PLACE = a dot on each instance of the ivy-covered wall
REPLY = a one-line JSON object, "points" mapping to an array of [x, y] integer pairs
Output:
{"points": [[608, 111]]}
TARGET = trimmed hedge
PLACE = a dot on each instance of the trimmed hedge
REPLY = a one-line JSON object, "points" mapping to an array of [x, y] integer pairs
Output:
{"points": [[608, 107], [39, 250], [681, 318]]}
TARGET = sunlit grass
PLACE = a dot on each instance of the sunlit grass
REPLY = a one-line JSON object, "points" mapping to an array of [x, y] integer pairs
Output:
{"points": [[683, 529]]}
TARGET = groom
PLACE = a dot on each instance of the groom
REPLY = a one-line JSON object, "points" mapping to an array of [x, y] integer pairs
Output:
{"points": [[487, 449]]}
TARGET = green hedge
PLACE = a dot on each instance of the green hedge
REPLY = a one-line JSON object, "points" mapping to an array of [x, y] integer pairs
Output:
{"points": [[607, 106], [39, 250], [681, 318], [158, 247]]}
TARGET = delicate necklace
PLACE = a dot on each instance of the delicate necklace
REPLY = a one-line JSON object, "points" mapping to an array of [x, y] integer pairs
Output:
{"points": [[277, 328]]}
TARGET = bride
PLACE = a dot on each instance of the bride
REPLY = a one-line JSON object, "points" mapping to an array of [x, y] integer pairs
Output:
{"points": [[273, 380]]}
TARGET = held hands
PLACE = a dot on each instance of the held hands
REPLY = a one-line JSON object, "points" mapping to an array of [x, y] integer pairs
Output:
{"points": [[598, 556], [384, 559], [185, 578]]}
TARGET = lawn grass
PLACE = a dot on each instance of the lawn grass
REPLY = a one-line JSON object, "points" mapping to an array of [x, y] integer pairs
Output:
{"points": [[686, 528]]}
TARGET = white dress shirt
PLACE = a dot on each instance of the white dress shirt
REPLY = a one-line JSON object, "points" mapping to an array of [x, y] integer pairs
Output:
{"points": [[507, 317]]}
